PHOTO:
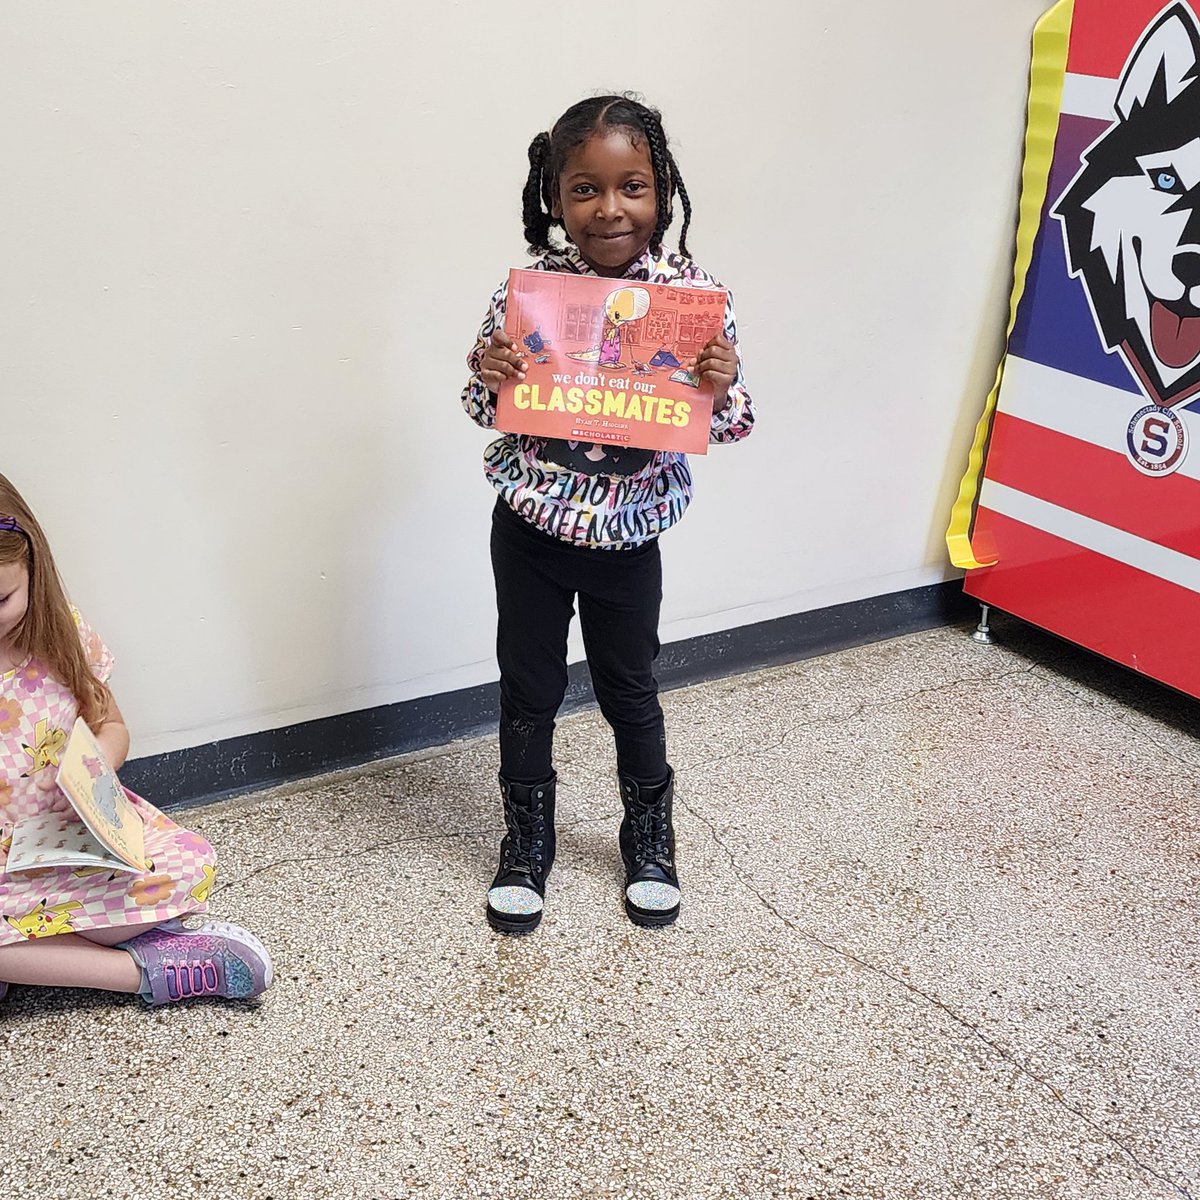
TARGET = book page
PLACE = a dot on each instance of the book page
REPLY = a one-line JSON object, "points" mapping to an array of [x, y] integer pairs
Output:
{"points": [[98, 797], [57, 840]]}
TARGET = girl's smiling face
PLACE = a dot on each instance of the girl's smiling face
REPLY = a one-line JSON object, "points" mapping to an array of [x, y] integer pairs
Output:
{"points": [[606, 199]]}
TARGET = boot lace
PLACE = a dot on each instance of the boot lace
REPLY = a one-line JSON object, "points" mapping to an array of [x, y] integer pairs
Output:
{"points": [[650, 832], [524, 848]]}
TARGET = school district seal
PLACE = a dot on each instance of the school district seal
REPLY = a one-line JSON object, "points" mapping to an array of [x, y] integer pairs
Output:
{"points": [[1156, 440]]}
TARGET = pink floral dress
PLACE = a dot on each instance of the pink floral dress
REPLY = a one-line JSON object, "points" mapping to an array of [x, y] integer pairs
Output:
{"points": [[36, 715]]}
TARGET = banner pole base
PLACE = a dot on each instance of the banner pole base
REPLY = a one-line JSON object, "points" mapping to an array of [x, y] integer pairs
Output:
{"points": [[983, 633]]}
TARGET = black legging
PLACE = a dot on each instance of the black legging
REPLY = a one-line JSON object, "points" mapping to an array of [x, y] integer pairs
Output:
{"points": [[620, 592]]}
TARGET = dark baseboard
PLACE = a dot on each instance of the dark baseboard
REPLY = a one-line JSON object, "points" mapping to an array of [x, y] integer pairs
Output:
{"points": [[275, 756]]}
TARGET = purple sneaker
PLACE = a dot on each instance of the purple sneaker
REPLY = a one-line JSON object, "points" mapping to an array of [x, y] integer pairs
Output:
{"points": [[217, 959]]}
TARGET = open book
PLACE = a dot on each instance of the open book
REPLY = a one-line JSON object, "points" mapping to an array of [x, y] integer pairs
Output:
{"points": [[104, 830]]}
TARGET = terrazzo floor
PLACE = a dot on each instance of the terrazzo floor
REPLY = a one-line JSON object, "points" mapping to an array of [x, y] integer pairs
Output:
{"points": [[939, 939]]}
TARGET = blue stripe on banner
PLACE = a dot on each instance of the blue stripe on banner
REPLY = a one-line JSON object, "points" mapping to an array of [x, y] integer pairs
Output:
{"points": [[1054, 324]]}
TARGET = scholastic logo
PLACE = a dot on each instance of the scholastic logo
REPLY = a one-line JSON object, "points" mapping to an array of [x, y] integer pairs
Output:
{"points": [[1156, 440]]}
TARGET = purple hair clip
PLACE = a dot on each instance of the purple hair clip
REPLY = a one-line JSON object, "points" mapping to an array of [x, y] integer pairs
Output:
{"points": [[13, 526]]}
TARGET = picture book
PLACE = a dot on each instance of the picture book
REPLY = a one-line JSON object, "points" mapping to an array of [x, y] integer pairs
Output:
{"points": [[104, 830], [607, 360]]}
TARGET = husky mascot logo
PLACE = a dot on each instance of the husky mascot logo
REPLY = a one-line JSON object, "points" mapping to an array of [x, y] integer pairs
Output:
{"points": [[1131, 216]]}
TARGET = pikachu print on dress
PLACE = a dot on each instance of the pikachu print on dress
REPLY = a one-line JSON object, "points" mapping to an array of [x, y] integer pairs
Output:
{"points": [[200, 892], [44, 920], [47, 746]]}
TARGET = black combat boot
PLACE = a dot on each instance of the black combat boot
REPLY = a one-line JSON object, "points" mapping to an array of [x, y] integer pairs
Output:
{"points": [[647, 842], [514, 901]]}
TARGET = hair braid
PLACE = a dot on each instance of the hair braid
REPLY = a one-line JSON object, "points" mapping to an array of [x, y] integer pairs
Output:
{"points": [[659, 160], [534, 199], [685, 201]]}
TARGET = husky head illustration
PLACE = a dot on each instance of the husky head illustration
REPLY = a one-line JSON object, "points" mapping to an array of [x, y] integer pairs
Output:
{"points": [[1131, 216]]}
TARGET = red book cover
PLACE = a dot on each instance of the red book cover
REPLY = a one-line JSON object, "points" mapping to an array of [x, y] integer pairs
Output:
{"points": [[606, 360]]}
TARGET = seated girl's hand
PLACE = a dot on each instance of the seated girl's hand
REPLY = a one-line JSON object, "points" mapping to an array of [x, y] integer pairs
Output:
{"points": [[49, 795], [58, 803], [717, 364], [501, 361]]}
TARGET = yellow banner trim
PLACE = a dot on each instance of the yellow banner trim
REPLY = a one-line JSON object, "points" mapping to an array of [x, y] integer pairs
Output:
{"points": [[1048, 69]]}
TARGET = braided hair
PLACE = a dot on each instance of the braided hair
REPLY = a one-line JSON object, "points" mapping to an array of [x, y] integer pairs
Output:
{"points": [[548, 154]]}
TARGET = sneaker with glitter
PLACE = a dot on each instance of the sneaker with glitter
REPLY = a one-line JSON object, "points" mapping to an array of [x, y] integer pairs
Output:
{"points": [[516, 897], [647, 840], [216, 959]]}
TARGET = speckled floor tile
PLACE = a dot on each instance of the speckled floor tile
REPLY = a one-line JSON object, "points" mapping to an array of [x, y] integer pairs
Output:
{"points": [[938, 941]]}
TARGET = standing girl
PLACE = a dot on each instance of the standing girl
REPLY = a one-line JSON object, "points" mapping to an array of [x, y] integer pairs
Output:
{"points": [[603, 174], [90, 927]]}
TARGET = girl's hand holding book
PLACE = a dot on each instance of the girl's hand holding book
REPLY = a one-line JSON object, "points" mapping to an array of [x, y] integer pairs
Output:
{"points": [[717, 364], [501, 361], [58, 803], [49, 794]]}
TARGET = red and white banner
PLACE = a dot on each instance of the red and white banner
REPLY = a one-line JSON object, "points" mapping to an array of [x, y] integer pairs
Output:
{"points": [[1089, 505]]}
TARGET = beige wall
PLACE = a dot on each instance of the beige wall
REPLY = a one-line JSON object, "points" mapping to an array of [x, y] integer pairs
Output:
{"points": [[247, 246]]}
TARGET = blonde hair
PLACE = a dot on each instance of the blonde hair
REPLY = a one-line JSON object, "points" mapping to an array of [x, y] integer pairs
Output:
{"points": [[48, 630]]}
